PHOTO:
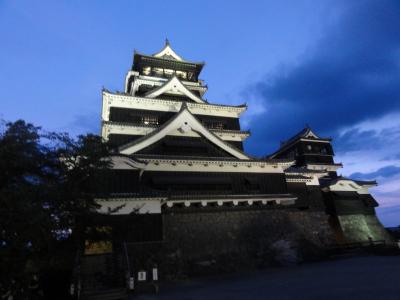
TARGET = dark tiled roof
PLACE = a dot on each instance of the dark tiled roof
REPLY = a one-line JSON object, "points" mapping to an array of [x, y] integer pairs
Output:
{"points": [[326, 181], [365, 182], [303, 170], [303, 133], [188, 196], [167, 58], [184, 157], [231, 196], [289, 176], [207, 158], [325, 164]]}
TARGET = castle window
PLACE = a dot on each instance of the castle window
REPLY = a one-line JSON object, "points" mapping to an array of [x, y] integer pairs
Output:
{"points": [[309, 147], [158, 71], [323, 150], [214, 125], [181, 74], [168, 72], [150, 120], [146, 70], [218, 125], [190, 75]]}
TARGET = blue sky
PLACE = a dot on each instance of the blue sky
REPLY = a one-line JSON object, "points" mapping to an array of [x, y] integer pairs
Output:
{"points": [[334, 65]]}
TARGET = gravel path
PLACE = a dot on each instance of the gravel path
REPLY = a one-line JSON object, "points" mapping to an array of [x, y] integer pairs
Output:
{"points": [[371, 277]]}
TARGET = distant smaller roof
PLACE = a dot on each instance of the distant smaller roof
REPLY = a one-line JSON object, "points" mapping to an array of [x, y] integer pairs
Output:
{"points": [[305, 133]]}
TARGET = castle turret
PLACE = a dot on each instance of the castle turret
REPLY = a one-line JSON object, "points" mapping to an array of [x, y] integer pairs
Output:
{"points": [[314, 180], [309, 151]]}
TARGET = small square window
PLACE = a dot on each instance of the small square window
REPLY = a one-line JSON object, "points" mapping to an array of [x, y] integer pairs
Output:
{"points": [[150, 120]]}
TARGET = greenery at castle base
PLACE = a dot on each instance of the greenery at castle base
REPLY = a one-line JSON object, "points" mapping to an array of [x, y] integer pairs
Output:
{"points": [[48, 183]]}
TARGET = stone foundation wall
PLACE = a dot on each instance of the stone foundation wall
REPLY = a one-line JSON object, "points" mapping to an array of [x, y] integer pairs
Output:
{"points": [[359, 228], [208, 237]]}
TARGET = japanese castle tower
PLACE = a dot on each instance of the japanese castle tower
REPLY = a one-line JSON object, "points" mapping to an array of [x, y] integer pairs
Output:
{"points": [[182, 182], [179, 149]]}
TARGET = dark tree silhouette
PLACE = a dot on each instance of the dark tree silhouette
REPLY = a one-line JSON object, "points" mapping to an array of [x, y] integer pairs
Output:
{"points": [[48, 181]]}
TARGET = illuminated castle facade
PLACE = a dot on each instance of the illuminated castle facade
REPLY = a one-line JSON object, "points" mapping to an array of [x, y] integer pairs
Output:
{"points": [[184, 186]]}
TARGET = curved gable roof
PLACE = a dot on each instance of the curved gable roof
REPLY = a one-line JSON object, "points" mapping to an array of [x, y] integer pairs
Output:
{"points": [[183, 121], [168, 52], [176, 86]]}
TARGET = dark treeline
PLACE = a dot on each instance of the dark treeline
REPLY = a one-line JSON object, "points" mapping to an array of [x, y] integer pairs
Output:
{"points": [[47, 183]]}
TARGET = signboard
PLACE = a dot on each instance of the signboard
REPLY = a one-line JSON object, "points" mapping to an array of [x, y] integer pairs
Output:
{"points": [[142, 276], [99, 247], [155, 274]]}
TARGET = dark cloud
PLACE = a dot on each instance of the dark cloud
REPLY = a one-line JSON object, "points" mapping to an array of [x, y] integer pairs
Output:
{"points": [[356, 139], [353, 74], [369, 140], [385, 172]]}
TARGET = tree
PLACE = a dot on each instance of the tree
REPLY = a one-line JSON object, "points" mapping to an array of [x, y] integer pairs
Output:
{"points": [[47, 182]]}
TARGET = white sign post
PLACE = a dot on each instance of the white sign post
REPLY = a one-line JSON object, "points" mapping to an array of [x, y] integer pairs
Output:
{"points": [[131, 283], [155, 274], [142, 276]]}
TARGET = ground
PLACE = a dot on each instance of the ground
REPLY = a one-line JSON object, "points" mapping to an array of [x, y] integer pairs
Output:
{"points": [[369, 277]]}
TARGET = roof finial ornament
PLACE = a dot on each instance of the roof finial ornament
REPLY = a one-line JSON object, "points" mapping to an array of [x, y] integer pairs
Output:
{"points": [[166, 42], [308, 126]]}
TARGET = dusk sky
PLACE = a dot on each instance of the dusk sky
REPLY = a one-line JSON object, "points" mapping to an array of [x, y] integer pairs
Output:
{"points": [[334, 65]]}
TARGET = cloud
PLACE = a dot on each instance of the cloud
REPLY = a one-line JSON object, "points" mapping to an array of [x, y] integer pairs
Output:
{"points": [[388, 171], [393, 157], [345, 87], [377, 134], [350, 76], [369, 146], [369, 151]]}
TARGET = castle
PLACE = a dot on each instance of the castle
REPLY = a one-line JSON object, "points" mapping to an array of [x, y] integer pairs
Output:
{"points": [[183, 192]]}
